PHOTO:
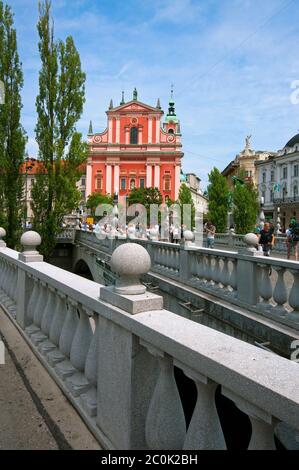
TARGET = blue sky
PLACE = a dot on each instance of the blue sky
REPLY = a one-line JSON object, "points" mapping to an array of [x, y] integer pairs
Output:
{"points": [[232, 63]]}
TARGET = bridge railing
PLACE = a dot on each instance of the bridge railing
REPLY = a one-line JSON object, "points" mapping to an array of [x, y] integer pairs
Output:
{"points": [[268, 286], [118, 368], [67, 235]]}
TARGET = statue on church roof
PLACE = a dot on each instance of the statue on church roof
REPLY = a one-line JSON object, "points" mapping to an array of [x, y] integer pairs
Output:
{"points": [[135, 94], [248, 141]]}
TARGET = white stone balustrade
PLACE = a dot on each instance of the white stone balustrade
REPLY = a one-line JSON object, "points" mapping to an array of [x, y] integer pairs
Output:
{"points": [[268, 286], [117, 368]]}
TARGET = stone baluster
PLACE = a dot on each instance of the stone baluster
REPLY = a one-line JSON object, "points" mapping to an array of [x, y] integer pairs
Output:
{"points": [[69, 328], [15, 283], [177, 254], [294, 297], [6, 279], [214, 271], [225, 273], [204, 431], [38, 311], [200, 266], [32, 300], [11, 288], [280, 295], [263, 424], [217, 272], [63, 366], [2, 271], [167, 260], [208, 270], [59, 318], [2, 235], [89, 399], [81, 341], [50, 309], [262, 437], [77, 383], [47, 317], [165, 426], [169, 263], [233, 276], [264, 286]]}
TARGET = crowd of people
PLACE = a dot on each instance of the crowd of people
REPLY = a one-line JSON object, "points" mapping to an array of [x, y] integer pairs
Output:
{"points": [[266, 237], [265, 233]]}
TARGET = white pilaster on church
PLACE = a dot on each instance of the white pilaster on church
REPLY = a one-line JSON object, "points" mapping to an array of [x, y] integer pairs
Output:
{"points": [[127, 136], [116, 177], [158, 131], [177, 180], [150, 130], [117, 130], [110, 123], [140, 135], [88, 180], [108, 179], [157, 176], [149, 176]]}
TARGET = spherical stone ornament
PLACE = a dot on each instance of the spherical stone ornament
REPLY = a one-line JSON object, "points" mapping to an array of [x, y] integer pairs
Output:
{"points": [[251, 239], [129, 261], [2, 232], [30, 240], [188, 236]]}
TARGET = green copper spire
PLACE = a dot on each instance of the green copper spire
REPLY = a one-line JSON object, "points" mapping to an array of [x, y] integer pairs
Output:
{"points": [[171, 116], [90, 131], [135, 94], [122, 98]]}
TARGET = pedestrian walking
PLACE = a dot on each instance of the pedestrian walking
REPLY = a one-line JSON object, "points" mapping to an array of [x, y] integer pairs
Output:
{"points": [[210, 231], [266, 239], [292, 240]]}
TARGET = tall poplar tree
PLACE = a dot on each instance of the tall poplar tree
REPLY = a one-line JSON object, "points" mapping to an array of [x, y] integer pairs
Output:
{"points": [[246, 207], [185, 197], [59, 106], [12, 135], [218, 195]]}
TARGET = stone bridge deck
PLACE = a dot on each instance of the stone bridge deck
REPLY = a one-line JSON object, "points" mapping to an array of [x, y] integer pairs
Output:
{"points": [[35, 415]]}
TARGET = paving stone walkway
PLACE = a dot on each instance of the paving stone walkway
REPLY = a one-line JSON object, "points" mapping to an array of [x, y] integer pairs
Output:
{"points": [[34, 413]]}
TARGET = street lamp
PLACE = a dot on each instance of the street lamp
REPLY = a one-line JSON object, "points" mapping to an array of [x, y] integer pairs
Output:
{"points": [[278, 226], [28, 167], [262, 215]]}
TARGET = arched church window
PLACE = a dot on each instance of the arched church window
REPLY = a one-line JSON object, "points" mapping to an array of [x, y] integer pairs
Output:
{"points": [[134, 135], [166, 183], [99, 182]]}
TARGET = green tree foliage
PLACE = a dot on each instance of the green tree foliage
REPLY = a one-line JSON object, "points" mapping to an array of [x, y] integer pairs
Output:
{"points": [[185, 197], [96, 199], [218, 195], [246, 207], [146, 197], [59, 106], [12, 135]]}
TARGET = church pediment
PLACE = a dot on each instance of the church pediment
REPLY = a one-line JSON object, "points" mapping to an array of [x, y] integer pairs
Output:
{"points": [[135, 107]]}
